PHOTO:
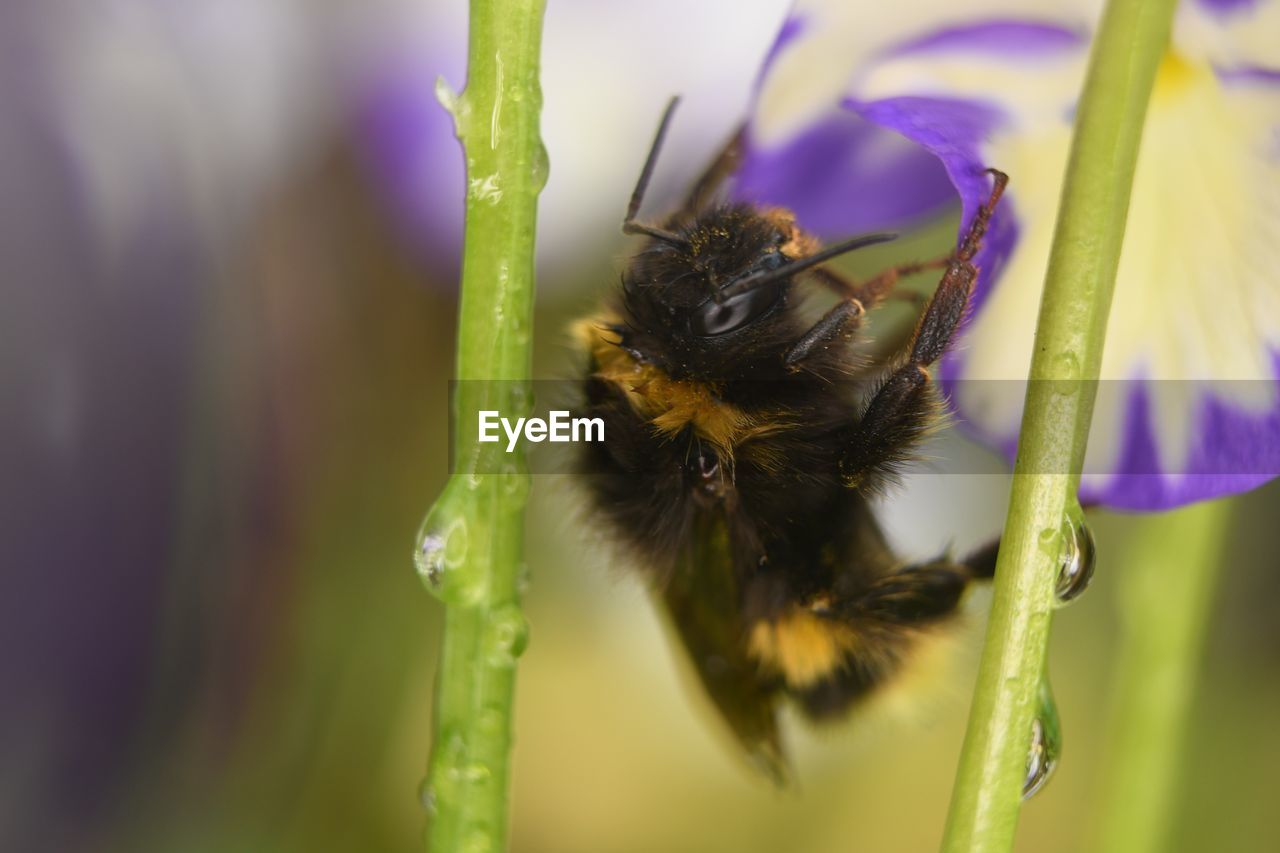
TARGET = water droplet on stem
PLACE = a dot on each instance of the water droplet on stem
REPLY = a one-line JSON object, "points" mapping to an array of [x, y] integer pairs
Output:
{"points": [[541, 167], [427, 797], [1077, 557], [1046, 743], [506, 635], [441, 549]]}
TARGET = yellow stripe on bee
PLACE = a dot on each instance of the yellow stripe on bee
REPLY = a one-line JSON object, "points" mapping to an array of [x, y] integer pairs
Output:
{"points": [[802, 647], [669, 404]]}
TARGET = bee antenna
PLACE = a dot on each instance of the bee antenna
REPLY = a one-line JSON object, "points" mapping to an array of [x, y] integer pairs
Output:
{"points": [[760, 279], [637, 196], [629, 225]]}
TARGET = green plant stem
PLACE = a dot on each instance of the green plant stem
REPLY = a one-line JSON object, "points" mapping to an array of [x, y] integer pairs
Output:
{"points": [[471, 545], [1130, 43], [1170, 575]]}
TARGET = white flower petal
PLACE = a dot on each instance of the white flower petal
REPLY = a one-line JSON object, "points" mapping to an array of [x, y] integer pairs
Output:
{"points": [[837, 39]]}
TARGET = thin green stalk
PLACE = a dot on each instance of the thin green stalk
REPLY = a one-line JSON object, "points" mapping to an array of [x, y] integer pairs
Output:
{"points": [[1171, 572], [1070, 332], [469, 552]]}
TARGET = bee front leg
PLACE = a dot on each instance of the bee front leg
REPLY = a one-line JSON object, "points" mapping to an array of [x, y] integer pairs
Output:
{"points": [[839, 322], [906, 407], [875, 290], [899, 416]]}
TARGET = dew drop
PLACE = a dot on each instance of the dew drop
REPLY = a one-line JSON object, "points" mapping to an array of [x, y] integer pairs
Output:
{"points": [[541, 167], [427, 797], [1040, 762], [1077, 558], [515, 483], [430, 558], [505, 637], [440, 553], [1065, 374], [1046, 744], [1066, 366]]}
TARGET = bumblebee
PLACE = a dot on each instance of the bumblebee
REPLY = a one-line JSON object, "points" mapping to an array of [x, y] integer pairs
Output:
{"points": [[744, 446]]}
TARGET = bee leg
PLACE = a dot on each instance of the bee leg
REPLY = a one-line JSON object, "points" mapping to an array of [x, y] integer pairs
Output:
{"points": [[901, 413], [724, 165], [912, 596], [875, 290], [839, 322], [982, 562], [906, 406], [881, 617], [920, 593]]}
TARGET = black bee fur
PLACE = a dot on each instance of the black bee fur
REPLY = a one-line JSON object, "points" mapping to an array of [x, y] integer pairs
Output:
{"points": [[744, 447]]}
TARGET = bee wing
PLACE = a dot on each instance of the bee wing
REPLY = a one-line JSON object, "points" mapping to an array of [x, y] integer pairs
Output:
{"points": [[703, 604]]}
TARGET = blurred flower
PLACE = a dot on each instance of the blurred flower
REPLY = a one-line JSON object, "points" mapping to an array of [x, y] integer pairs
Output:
{"points": [[862, 122], [137, 142]]}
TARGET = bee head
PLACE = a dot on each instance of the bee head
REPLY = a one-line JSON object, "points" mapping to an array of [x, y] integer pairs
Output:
{"points": [[708, 295], [687, 298]]}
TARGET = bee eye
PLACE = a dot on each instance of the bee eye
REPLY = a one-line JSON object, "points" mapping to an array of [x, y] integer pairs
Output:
{"points": [[713, 318]]}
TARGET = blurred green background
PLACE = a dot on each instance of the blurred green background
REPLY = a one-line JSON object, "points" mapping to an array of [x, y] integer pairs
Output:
{"points": [[225, 358]]}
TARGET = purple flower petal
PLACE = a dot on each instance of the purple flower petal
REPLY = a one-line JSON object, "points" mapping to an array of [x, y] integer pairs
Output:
{"points": [[792, 28], [1013, 38], [1249, 75], [1226, 8], [845, 175], [1234, 451], [954, 132]]}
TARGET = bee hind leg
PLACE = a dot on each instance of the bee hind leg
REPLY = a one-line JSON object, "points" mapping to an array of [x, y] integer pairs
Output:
{"points": [[982, 562], [910, 597], [884, 617], [878, 624], [917, 594]]}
